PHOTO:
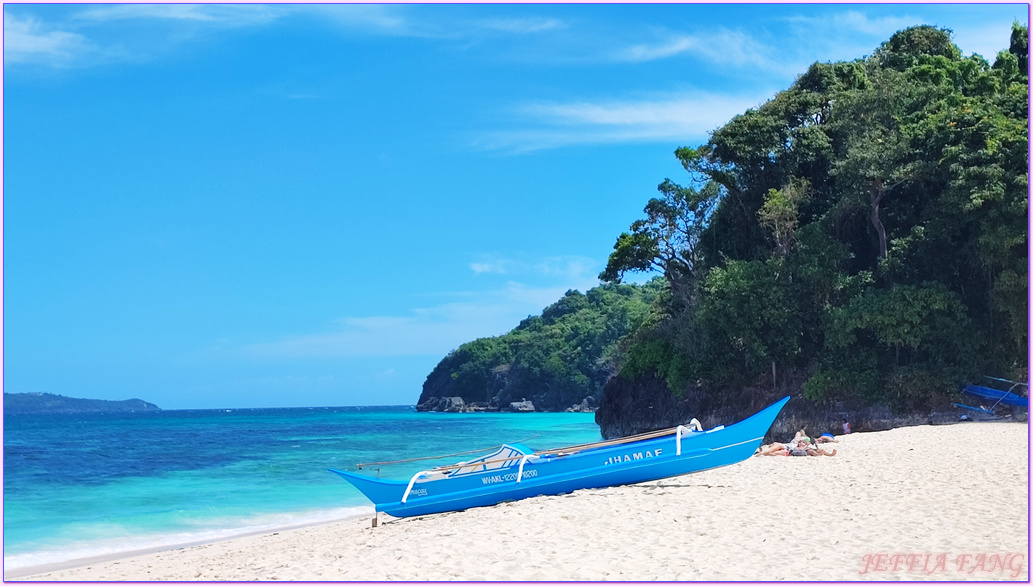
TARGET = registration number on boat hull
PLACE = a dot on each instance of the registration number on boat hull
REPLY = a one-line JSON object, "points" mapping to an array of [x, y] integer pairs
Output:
{"points": [[508, 477]]}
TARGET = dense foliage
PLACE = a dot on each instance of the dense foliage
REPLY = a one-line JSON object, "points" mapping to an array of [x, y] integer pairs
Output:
{"points": [[555, 360], [863, 233]]}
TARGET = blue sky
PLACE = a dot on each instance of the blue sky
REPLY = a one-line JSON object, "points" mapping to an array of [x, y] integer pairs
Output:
{"points": [[223, 206]]}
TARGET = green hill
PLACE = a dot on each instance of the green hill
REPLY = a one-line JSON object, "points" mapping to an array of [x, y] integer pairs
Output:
{"points": [[860, 238], [555, 360]]}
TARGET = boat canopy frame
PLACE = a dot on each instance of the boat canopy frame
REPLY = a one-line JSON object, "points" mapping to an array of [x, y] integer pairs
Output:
{"points": [[989, 393], [679, 432]]}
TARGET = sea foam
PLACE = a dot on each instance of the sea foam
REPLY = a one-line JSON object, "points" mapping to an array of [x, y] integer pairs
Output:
{"points": [[128, 545]]}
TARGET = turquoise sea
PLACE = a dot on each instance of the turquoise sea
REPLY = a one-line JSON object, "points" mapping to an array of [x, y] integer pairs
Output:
{"points": [[78, 486]]}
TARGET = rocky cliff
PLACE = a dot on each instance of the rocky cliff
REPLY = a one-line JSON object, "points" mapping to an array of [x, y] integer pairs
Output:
{"points": [[631, 406]]}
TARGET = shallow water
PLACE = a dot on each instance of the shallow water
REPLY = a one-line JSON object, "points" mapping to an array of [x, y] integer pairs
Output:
{"points": [[79, 486]]}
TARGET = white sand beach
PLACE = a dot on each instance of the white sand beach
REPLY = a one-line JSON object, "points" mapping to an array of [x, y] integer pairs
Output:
{"points": [[921, 503]]}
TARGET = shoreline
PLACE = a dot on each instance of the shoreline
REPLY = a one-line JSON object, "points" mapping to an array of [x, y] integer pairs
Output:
{"points": [[26, 571], [917, 503]]}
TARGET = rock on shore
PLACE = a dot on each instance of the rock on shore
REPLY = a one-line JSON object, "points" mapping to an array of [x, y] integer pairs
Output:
{"points": [[631, 406]]}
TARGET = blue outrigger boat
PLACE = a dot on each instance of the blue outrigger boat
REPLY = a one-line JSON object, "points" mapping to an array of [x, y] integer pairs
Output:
{"points": [[515, 472], [1008, 398]]}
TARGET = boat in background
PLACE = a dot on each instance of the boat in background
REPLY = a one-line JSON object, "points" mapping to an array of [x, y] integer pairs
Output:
{"points": [[515, 472], [1008, 398]]}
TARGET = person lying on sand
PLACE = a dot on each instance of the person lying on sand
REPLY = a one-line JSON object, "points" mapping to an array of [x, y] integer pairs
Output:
{"points": [[823, 438], [803, 448], [798, 448], [774, 449], [800, 445], [786, 449]]}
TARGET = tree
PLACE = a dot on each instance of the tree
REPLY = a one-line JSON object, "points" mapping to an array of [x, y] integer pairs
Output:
{"points": [[780, 214], [1019, 46], [752, 318], [868, 230], [667, 240], [555, 359]]}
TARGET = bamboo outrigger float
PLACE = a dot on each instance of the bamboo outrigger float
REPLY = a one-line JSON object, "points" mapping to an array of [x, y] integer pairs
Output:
{"points": [[515, 472]]}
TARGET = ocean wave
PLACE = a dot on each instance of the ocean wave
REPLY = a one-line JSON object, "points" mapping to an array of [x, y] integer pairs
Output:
{"points": [[214, 530]]}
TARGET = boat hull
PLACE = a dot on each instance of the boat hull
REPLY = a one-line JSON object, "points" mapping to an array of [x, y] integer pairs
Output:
{"points": [[552, 474], [1003, 397]]}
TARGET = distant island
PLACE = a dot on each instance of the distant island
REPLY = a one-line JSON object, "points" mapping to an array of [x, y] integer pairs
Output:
{"points": [[36, 403]]}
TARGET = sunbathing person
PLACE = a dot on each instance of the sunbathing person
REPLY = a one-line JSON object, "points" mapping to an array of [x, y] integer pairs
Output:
{"points": [[826, 438], [803, 448], [774, 449], [821, 452], [799, 447]]}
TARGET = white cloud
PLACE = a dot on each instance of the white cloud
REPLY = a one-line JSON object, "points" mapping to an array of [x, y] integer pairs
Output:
{"points": [[854, 21], [858, 34], [495, 266], [662, 50], [721, 47], [29, 40], [436, 330], [400, 21], [106, 33], [374, 18], [220, 14], [572, 269], [520, 25], [431, 331], [97, 35], [843, 35], [672, 118]]}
